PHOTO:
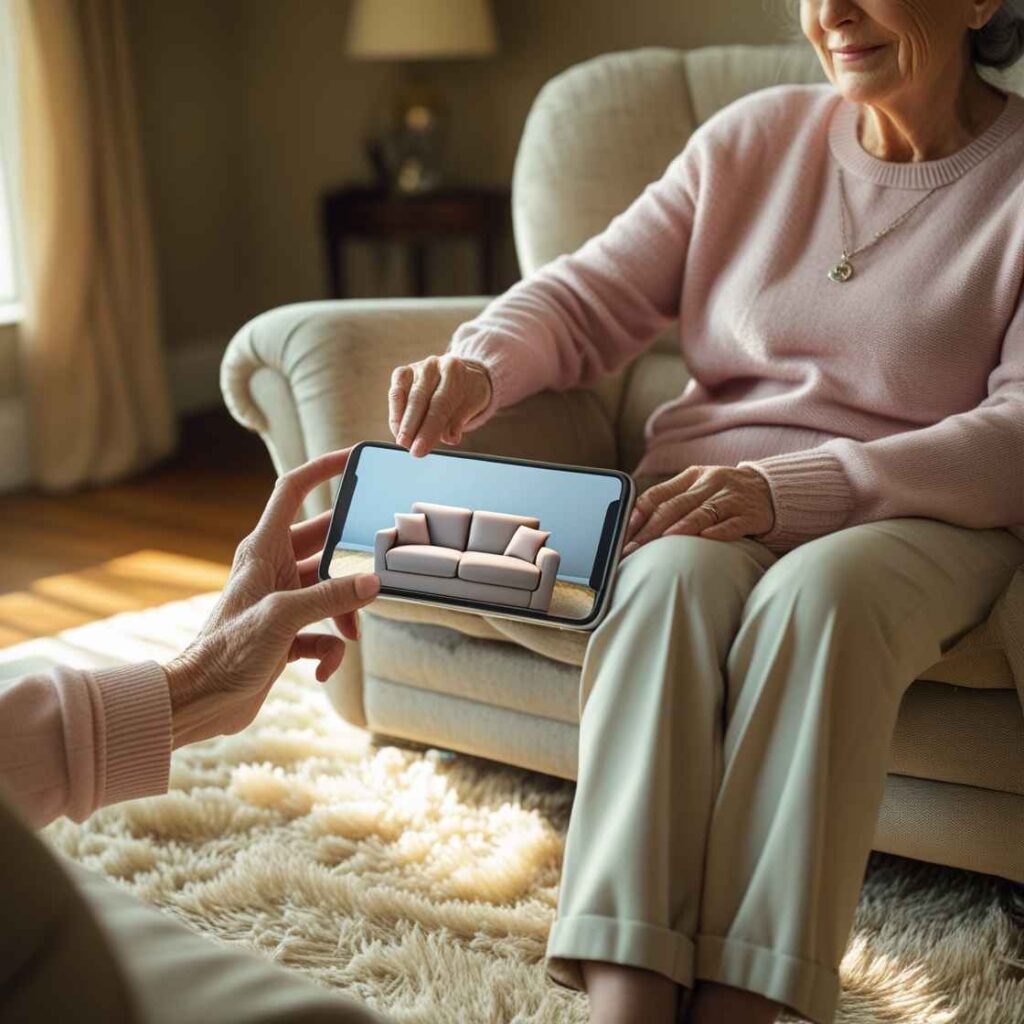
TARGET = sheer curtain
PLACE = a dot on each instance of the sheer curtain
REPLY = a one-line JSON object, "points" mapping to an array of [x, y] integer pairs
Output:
{"points": [[99, 404]]}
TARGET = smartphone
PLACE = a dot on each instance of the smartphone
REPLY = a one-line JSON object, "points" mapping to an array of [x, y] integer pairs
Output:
{"points": [[513, 538]]}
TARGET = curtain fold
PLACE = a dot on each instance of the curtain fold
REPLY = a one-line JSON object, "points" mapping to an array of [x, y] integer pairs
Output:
{"points": [[98, 398]]}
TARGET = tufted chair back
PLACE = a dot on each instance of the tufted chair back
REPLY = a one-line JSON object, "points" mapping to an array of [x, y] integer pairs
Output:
{"points": [[598, 133]]}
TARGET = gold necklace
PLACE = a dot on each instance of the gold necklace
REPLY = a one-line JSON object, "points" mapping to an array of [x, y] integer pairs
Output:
{"points": [[843, 270]]}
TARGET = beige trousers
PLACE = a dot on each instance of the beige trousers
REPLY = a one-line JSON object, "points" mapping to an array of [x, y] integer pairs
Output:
{"points": [[736, 713]]}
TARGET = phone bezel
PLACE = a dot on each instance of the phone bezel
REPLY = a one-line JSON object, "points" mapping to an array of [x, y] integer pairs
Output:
{"points": [[611, 539]]}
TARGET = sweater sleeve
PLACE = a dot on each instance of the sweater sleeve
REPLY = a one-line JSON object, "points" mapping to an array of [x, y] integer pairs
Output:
{"points": [[72, 741], [585, 314], [966, 469]]}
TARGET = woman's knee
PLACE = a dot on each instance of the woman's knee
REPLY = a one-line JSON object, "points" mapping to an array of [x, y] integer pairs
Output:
{"points": [[697, 564], [846, 577]]}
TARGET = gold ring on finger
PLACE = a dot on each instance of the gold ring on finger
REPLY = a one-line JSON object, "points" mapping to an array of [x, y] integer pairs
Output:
{"points": [[713, 509]]}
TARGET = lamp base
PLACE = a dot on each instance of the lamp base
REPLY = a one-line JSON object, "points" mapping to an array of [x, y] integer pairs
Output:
{"points": [[407, 156]]}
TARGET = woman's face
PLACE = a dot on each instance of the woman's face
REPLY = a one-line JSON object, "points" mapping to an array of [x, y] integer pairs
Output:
{"points": [[919, 41]]}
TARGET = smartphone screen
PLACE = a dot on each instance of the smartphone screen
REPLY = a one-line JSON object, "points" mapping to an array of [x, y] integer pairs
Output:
{"points": [[509, 536]]}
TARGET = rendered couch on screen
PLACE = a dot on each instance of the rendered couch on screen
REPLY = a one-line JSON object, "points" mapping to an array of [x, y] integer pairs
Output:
{"points": [[458, 552]]}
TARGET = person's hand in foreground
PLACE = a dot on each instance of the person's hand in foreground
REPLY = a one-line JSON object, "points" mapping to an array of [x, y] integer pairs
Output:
{"points": [[221, 679], [433, 399], [741, 495]]}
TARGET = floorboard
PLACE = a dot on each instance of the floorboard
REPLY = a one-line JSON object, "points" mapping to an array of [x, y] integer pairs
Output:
{"points": [[168, 533]]}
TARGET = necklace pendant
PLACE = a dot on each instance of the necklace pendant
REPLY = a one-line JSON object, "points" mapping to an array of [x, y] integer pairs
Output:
{"points": [[842, 271]]}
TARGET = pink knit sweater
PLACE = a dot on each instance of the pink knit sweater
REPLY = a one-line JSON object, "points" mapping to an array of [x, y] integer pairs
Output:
{"points": [[73, 741], [899, 392]]}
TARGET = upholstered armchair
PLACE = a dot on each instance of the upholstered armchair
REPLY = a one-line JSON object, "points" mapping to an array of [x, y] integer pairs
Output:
{"points": [[314, 376]]}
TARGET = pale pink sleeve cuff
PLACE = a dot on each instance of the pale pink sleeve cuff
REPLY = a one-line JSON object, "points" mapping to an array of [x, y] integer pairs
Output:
{"points": [[117, 734], [136, 724], [811, 494], [491, 352]]}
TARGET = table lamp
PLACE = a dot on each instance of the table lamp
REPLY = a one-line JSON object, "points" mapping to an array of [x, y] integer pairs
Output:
{"points": [[407, 156]]}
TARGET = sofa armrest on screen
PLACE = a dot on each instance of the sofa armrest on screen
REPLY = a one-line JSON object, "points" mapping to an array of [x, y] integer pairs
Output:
{"points": [[383, 543], [548, 560]]}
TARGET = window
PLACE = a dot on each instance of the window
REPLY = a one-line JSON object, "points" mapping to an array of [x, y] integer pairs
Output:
{"points": [[10, 266], [8, 263]]}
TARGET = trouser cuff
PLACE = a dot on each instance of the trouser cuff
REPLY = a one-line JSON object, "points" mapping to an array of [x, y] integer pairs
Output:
{"points": [[811, 989], [633, 943]]}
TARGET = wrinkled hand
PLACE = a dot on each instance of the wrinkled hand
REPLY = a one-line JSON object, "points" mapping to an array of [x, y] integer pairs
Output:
{"points": [[742, 497], [222, 678], [433, 399]]}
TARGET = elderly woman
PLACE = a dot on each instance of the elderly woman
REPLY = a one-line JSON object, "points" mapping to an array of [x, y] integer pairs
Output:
{"points": [[835, 496]]}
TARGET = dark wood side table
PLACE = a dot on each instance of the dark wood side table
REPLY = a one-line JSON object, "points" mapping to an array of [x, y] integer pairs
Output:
{"points": [[367, 212]]}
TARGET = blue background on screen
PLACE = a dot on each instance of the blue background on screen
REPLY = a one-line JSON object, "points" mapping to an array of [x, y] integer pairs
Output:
{"points": [[571, 505]]}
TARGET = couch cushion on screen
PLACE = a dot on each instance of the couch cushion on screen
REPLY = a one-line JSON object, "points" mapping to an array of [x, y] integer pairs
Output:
{"points": [[526, 542], [412, 528], [423, 558], [448, 524], [491, 531], [501, 570]]}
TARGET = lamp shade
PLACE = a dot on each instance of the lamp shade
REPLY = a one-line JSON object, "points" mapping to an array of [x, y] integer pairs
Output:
{"points": [[421, 29]]}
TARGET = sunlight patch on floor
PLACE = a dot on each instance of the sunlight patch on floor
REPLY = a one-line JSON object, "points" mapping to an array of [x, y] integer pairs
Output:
{"points": [[132, 582]]}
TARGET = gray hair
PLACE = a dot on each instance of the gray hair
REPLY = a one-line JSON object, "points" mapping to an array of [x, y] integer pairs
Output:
{"points": [[1000, 42], [997, 44]]}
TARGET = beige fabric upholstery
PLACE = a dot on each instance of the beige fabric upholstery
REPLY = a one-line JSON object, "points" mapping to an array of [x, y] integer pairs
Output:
{"points": [[977, 660], [314, 376]]}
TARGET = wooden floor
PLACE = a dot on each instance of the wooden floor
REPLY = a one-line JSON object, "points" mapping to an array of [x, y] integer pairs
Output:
{"points": [[164, 535]]}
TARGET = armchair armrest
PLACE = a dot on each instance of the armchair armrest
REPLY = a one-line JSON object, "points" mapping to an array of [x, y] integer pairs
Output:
{"points": [[311, 377], [384, 541], [548, 561], [314, 376]]}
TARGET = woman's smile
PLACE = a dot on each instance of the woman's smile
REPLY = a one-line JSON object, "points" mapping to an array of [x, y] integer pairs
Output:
{"points": [[849, 57]]}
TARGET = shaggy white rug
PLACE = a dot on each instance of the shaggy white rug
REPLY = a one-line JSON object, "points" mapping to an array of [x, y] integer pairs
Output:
{"points": [[425, 884]]}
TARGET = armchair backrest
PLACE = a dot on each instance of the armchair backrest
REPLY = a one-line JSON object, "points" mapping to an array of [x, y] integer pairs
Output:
{"points": [[602, 130]]}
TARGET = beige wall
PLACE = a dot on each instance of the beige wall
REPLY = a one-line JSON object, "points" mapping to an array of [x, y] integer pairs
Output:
{"points": [[251, 108], [189, 83]]}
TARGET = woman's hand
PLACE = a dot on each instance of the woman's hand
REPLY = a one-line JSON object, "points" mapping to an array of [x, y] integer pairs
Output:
{"points": [[222, 678], [432, 400], [742, 497]]}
